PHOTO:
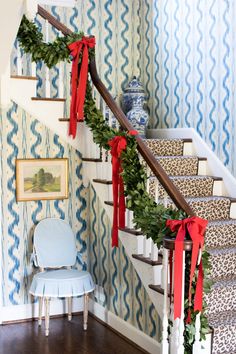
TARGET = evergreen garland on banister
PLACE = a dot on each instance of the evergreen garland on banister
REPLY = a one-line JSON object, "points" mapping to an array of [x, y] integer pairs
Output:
{"points": [[148, 216]]}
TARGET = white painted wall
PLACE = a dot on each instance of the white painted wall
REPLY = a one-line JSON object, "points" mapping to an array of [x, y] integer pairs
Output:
{"points": [[10, 16]]}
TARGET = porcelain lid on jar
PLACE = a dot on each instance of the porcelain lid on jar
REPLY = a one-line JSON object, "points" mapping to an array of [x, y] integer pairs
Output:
{"points": [[134, 86]]}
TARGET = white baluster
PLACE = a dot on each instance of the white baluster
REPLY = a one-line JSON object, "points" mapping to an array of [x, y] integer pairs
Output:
{"points": [[140, 244], [154, 251], [147, 247], [148, 178], [156, 191], [165, 343], [47, 78], [165, 199], [19, 60], [109, 168], [197, 343], [33, 69], [60, 79], [128, 218], [180, 322]]}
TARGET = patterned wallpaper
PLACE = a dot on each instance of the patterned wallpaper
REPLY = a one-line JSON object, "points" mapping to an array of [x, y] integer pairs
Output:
{"points": [[21, 136], [188, 58], [111, 269], [117, 28]]}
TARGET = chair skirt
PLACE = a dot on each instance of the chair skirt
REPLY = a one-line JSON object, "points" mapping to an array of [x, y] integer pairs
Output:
{"points": [[61, 283]]}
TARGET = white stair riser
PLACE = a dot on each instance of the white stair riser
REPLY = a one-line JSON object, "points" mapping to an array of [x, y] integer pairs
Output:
{"points": [[188, 149], [202, 168], [233, 210], [218, 188]]}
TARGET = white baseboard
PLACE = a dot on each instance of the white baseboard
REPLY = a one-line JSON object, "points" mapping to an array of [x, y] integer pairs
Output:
{"points": [[126, 329], [23, 312]]}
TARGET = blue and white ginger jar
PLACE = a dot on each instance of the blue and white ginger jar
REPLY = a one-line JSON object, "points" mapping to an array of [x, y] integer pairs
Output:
{"points": [[134, 98]]}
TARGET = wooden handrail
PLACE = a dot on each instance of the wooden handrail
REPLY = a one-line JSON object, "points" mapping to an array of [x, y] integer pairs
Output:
{"points": [[146, 153], [53, 21]]}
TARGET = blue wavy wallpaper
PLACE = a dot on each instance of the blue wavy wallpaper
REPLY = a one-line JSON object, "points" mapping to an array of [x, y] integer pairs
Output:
{"points": [[117, 28], [112, 270], [189, 57], [21, 136]]}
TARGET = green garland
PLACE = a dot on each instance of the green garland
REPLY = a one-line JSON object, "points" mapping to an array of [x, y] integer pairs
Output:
{"points": [[148, 216]]}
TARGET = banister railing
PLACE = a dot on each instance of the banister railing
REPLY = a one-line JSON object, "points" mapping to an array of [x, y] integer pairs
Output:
{"points": [[150, 159]]}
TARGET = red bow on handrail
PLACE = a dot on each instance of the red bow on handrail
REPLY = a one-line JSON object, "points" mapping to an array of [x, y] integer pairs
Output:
{"points": [[78, 85], [117, 144], [196, 228]]}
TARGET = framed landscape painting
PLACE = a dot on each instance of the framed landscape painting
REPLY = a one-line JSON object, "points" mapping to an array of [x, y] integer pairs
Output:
{"points": [[41, 179]]}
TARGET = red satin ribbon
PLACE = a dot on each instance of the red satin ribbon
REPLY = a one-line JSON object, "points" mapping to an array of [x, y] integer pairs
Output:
{"points": [[78, 85], [117, 144], [196, 229]]}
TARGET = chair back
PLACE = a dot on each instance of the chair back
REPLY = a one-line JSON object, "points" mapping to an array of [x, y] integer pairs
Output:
{"points": [[54, 244]]}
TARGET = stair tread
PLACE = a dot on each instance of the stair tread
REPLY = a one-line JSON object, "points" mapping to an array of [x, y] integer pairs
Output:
{"points": [[180, 165], [64, 119], [220, 233], [182, 157], [214, 223], [166, 146], [157, 288], [131, 231], [48, 99], [148, 260], [224, 282], [186, 140], [203, 177], [206, 199], [102, 181], [24, 77], [223, 250], [222, 318], [91, 159]]}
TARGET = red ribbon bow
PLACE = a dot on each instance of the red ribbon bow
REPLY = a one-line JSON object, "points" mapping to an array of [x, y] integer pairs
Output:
{"points": [[117, 144], [196, 229], [78, 85]]}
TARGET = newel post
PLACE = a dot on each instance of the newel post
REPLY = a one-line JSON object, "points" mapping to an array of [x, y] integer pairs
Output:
{"points": [[174, 343]]}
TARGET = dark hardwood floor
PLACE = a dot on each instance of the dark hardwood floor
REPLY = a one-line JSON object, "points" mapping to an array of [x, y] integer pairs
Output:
{"points": [[64, 338]]}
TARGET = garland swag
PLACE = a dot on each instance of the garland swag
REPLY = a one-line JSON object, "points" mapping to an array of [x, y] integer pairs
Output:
{"points": [[150, 217]]}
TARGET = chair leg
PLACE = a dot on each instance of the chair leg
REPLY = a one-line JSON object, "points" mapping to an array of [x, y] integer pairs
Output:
{"points": [[69, 308], [47, 309], [86, 300], [40, 310]]}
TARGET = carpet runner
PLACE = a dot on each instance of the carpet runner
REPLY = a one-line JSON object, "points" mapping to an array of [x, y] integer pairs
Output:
{"points": [[220, 237]]}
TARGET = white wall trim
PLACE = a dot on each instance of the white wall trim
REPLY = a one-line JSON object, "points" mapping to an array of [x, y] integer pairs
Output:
{"points": [[23, 312], [64, 3], [125, 328]]}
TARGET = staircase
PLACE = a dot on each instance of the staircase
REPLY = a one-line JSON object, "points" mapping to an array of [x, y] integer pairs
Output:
{"points": [[204, 195]]}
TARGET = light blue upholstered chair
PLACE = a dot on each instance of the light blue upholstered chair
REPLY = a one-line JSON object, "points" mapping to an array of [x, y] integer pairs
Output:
{"points": [[54, 247]]}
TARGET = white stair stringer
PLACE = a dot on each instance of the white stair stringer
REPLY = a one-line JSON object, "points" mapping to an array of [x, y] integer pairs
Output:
{"points": [[48, 112]]}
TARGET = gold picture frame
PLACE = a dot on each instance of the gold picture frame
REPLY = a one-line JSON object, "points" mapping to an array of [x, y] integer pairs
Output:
{"points": [[41, 179]]}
